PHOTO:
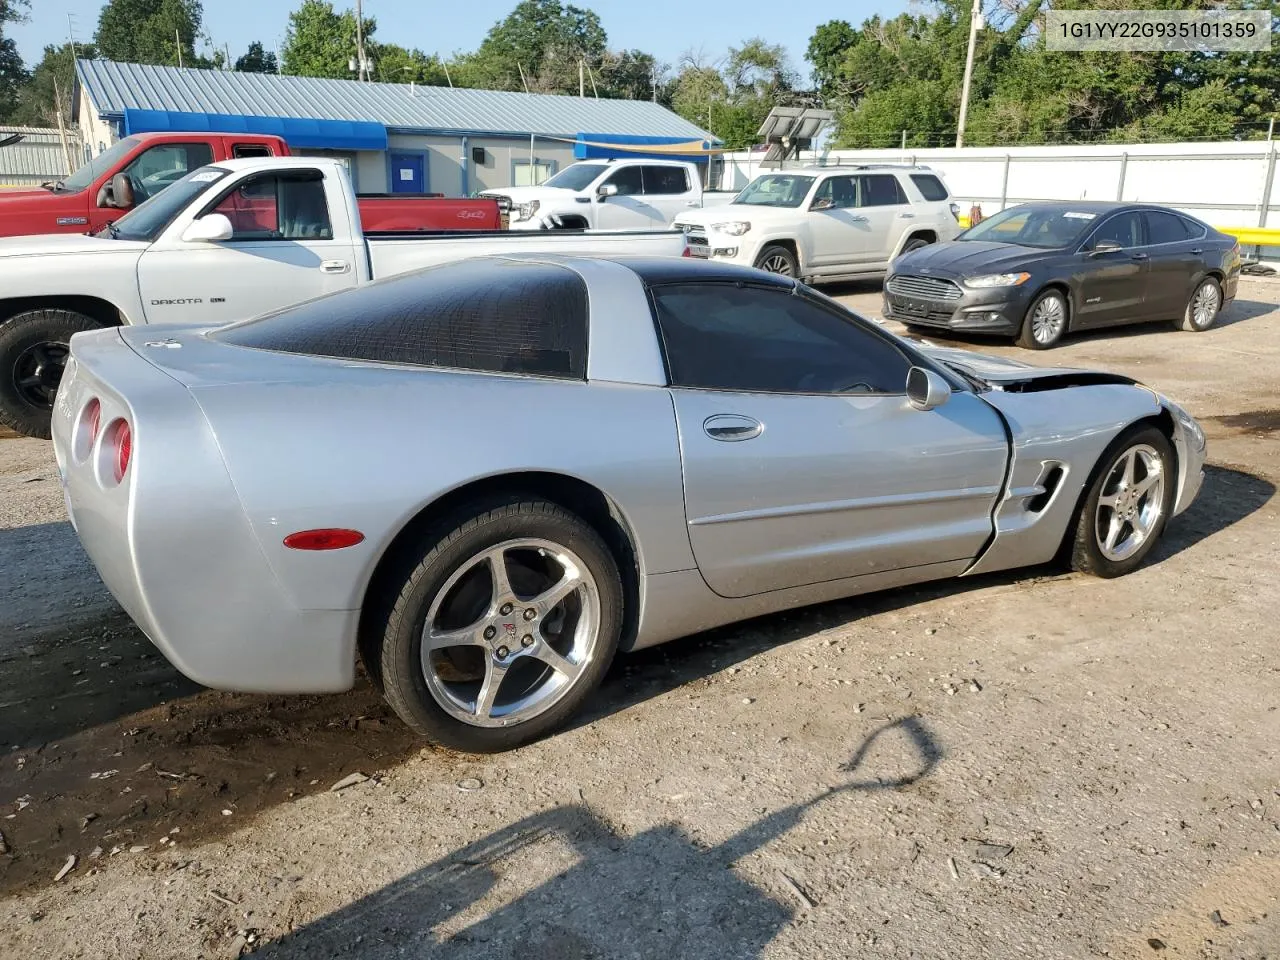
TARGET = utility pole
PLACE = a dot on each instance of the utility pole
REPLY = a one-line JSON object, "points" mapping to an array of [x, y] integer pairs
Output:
{"points": [[360, 61], [975, 21], [178, 40], [62, 129], [582, 80]]}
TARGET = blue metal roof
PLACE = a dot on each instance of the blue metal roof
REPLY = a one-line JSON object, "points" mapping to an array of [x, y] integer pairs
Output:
{"points": [[311, 134], [114, 88]]}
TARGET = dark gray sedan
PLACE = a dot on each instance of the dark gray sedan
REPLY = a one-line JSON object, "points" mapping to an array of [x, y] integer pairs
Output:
{"points": [[1037, 270]]}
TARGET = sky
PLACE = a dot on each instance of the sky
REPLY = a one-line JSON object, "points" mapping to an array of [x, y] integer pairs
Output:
{"points": [[665, 28]]}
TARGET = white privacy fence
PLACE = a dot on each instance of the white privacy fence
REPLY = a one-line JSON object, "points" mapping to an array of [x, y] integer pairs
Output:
{"points": [[36, 155], [1226, 184]]}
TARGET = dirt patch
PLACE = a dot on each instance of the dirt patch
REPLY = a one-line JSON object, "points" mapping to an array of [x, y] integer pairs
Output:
{"points": [[1257, 423]]}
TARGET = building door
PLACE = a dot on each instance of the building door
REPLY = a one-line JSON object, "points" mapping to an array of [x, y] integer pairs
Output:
{"points": [[408, 173]]}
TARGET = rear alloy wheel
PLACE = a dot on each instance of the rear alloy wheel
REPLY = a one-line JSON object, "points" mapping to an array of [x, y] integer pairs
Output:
{"points": [[1127, 505], [34, 347], [504, 628], [778, 259], [1204, 306], [1045, 321]]}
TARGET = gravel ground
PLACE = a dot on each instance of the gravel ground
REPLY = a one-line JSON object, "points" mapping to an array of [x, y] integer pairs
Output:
{"points": [[1032, 765]]}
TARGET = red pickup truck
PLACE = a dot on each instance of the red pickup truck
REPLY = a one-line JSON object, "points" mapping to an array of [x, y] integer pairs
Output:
{"points": [[140, 166]]}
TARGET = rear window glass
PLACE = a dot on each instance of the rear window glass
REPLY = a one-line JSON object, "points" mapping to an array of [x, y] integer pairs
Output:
{"points": [[930, 187], [522, 318]]}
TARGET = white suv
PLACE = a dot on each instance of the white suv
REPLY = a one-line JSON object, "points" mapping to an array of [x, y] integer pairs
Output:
{"points": [[826, 223]]}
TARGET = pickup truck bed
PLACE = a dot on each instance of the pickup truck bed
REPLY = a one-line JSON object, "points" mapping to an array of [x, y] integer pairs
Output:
{"points": [[227, 242]]}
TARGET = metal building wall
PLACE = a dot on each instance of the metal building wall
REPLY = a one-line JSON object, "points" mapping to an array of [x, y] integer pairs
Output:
{"points": [[37, 157]]}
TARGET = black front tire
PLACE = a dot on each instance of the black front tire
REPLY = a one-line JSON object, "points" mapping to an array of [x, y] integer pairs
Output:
{"points": [[398, 664], [1053, 300], [775, 258], [33, 352], [1086, 547]]}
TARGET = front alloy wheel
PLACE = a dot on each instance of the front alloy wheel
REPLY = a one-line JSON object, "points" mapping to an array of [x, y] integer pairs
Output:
{"points": [[1124, 511], [1045, 321]]}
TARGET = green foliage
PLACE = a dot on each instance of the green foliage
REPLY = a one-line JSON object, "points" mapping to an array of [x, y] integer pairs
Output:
{"points": [[257, 60], [320, 42], [905, 74], [150, 31], [12, 73], [36, 102], [395, 64], [539, 46], [732, 100]]}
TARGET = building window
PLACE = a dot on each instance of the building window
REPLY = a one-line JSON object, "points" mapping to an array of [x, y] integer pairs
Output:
{"points": [[528, 174]]}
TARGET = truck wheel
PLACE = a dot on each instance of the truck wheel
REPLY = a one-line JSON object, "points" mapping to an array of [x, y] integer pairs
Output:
{"points": [[33, 352], [778, 259]]}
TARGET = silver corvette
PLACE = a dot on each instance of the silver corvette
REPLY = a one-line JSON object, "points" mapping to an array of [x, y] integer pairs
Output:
{"points": [[487, 477]]}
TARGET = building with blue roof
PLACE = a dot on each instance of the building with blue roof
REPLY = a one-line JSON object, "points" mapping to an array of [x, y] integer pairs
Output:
{"points": [[393, 138]]}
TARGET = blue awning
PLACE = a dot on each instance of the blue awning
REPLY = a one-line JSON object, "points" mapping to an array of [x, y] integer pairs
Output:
{"points": [[614, 145], [311, 134]]}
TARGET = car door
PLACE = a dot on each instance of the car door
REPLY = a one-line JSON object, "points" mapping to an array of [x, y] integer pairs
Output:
{"points": [[803, 460], [884, 204], [668, 191], [841, 233], [628, 209], [1175, 262], [282, 251], [1112, 286]]}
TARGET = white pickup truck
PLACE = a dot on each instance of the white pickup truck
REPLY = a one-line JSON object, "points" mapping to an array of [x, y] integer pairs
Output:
{"points": [[611, 195], [823, 224], [226, 242]]}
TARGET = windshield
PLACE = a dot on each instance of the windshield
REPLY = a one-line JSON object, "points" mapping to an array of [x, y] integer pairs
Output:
{"points": [[775, 190], [1033, 226], [577, 176], [147, 220], [107, 160]]}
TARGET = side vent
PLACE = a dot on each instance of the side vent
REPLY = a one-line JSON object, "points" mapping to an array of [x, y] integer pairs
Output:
{"points": [[1052, 477]]}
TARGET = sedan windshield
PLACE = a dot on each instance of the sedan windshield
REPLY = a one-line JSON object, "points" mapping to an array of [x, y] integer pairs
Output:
{"points": [[1033, 226], [576, 176], [775, 190], [107, 160], [147, 220]]}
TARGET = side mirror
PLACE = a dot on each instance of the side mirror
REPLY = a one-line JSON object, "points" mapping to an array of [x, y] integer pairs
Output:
{"points": [[822, 203], [210, 228], [116, 192], [607, 190], [1104, 247], [925, 389]]}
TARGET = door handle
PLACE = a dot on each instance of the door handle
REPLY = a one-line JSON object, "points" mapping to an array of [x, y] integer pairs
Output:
{"points": [[730, 427], [906, 216], [1137, 256], [335, 266], [691, 203], [1197, 250], [857, 218]]}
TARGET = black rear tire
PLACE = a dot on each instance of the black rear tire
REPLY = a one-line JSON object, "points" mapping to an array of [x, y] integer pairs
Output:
{"points": [[33, 352], [1203, 308], [915, 243], [466, 535], [1050, 301]]}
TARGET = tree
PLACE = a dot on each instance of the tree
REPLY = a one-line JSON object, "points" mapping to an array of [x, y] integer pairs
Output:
{"points": [[826, 51], [538, 45], [633, 75], [151, 31], [395, 64], [12, 73], [320, 42], [36, 104], [257, 60]]}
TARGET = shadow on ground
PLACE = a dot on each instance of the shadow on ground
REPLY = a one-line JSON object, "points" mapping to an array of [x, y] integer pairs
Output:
{"points": [[657, 893], [117, 749]]}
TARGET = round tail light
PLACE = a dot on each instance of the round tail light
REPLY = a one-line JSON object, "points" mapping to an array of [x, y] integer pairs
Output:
{"points": [[122, 448]]}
